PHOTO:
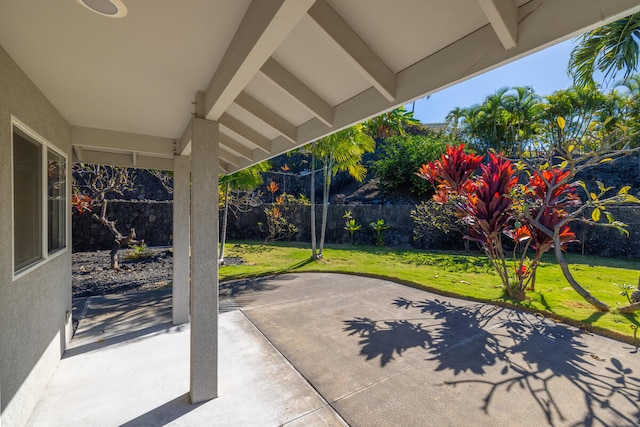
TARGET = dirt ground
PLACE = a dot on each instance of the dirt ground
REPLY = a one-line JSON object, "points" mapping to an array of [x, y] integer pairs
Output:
{"points": [[92, 275]]}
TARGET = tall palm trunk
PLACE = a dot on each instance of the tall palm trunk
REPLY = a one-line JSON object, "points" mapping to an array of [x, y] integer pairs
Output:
{"points": [[314, 249], [325, 204], [225, 216]]}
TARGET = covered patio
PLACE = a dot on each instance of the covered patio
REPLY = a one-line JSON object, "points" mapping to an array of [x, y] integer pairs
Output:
{"points": [[208, 87], [322, 349]]}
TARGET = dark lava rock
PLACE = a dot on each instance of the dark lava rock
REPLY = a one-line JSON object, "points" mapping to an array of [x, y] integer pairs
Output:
{"points": [[92, 275]]}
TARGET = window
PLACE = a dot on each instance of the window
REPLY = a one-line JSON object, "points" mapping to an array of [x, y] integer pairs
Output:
{"points": [[57, 201], [39, 199], [27, 200]]}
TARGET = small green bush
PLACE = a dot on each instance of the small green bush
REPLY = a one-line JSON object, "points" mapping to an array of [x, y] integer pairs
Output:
{"points": [[139, 251], [402, 156]]}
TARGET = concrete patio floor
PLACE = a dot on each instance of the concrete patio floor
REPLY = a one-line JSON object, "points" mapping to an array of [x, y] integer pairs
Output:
{"points": [[325, 349], [127, 365]]}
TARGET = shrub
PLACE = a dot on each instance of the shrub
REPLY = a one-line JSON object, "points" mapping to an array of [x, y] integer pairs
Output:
{"points": [[402, 156]]}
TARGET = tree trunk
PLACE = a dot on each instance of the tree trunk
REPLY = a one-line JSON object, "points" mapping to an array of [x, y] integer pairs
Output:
{"points": [[118, 238], [114, 255], [325, 206], [628, 309], [314, 249], [574, 284], [225, 216]]}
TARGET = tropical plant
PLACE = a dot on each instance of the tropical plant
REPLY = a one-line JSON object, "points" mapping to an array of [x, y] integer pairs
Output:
{"points": [[139, 251], [378, 227], [81, 203], [610, 49], [351, 225], [507, 121], [390, 123], [272, 188], [629, 112], [340, 151], [625, 291], [401, 156], [555, 195], [278, 226], [578, 107], [455, 125], [239, 195], [537, 214], [284, 171]]}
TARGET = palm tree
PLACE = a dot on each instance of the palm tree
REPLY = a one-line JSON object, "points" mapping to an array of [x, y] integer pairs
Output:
{"points": [[630, 100], [578, 106], [608, 49], [455, 123], [389, 123], [523, 107], [246, 180], [341, 151]]}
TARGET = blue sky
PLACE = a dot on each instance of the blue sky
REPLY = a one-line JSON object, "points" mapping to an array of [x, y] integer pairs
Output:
{"points": [[546, 71]]}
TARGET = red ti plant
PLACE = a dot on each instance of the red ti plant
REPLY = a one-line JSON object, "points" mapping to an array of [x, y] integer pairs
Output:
{"points": [[451, 172], [486, 205], [488, 212], [484, 202], [537, 214]]}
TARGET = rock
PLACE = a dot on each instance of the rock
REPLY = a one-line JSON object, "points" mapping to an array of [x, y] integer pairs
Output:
{"points": [[635, 296]]}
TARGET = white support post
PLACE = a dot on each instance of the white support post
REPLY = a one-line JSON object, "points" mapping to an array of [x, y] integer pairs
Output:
{"points": [[181, 214], [204, 260]]}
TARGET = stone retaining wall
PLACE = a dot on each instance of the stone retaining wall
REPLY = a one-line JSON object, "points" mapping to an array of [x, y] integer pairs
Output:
{"points": [[153, 223], [151, 219]]}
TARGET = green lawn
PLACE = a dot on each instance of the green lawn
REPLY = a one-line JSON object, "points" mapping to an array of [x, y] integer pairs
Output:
{"points": [[462, 274]]}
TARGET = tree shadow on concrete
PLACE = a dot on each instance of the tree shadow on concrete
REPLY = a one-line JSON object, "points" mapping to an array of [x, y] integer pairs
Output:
{"points": [[384, 338], [512, 355], [236, 288]]}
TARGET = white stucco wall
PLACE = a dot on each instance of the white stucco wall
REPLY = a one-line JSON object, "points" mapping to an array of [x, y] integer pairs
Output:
{"points": [[34, 326]]}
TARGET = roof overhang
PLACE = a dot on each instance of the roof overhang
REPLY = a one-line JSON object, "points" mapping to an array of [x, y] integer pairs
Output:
{"points": [[276, 74]]}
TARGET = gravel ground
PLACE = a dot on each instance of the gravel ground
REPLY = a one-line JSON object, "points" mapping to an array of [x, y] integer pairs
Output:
{"points": [[92, 275]]}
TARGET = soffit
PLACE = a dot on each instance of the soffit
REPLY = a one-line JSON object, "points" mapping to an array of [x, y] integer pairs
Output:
{"points": [[135, 74], [275, 73]]}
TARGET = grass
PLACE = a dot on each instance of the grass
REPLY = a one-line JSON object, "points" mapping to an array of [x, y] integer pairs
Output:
{"points": [[461, 274]]}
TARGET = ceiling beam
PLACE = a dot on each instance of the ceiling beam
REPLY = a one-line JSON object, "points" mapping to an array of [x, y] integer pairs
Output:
{"points": [[125, 160], [472, 55], [298, 90], [229, 157], [263, 28], [503, 17], [77, 151], [236, 147], [89, 138], [224, 167], [359, 54], [266, 115], [246, 132], [183, 145]]}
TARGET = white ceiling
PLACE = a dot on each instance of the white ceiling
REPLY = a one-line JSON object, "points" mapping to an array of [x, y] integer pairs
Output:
{"points": [[275, 73]]}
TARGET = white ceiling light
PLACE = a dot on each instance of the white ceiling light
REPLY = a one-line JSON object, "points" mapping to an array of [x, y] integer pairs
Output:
{"points": [[109, 8]]}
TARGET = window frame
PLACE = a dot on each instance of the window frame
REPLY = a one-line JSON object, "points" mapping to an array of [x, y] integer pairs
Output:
{"points": [[44, 147]]}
